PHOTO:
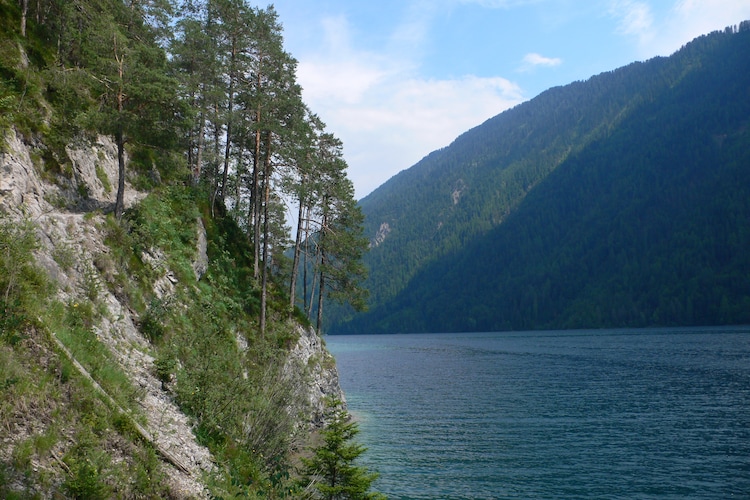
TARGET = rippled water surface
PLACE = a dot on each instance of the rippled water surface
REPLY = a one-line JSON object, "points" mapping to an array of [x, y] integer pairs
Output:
{"points": [[576, 414]]}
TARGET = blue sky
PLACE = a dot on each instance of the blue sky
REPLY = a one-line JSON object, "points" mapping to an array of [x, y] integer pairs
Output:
{"points": [[398, 79]]}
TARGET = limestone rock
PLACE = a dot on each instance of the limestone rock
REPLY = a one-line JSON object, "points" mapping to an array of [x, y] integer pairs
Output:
{"points": [[200, 266], [318, 371]]}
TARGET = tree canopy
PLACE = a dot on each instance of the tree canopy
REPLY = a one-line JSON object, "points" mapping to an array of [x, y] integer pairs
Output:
{"points": [[193, 91], [202, 102]]}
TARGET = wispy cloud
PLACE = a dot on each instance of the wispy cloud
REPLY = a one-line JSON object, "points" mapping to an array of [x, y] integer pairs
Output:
{"points": [[635, 19], [372, 93], [336, 70], [690, 18], [685, 20], [533, 60], [388, 115]]}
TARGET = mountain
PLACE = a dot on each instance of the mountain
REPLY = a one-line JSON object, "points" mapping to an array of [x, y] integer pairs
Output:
{"points": [[623, 200]]}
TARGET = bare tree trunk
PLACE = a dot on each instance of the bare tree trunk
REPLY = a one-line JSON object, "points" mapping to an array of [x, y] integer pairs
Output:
{"points": [[256, 206], [24, 12], [120, 201], [191, 142], [199, 152], [120, 138], [238, 184], [308, 302], [266, 197], [230, 120], [264, 275], [319, 319], [254, 191], [321, 246], [295, 260], [214, 180]]}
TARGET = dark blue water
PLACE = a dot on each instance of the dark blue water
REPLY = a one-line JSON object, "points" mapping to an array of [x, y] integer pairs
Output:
{"points": [[577, 414]]}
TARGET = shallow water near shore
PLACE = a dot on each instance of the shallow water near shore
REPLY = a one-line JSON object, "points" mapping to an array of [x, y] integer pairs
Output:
{"points": [[655, 413]]}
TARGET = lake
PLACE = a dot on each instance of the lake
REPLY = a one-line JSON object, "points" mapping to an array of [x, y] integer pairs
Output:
{"points": [[655, 413]]}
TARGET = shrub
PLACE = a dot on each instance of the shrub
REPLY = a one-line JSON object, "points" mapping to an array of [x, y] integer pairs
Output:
{"points": [[23, 286], [331, 473]]}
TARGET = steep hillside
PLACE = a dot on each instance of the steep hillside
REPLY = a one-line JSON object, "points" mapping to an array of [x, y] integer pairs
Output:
{"points": [[611, 202], [121, 373], [140, 356]]}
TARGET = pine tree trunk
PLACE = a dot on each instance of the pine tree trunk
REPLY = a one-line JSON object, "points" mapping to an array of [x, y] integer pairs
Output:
{"points": [[254, 191], [214, 176], [322, 243], [295, 260], [266, 198], [199, 152], [120, 137], [230, 120], [120, 201], [24, 12], [306, 254], [319, 319]]}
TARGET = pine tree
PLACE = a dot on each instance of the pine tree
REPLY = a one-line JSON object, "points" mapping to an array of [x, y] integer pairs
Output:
{"points": [[137, 98], [331, 473], [341, 240]]}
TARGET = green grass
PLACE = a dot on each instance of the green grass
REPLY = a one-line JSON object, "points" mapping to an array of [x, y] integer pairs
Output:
{"points": [[49, 413], [194, 334], [226, 389], [73, 325], [102, 176]]}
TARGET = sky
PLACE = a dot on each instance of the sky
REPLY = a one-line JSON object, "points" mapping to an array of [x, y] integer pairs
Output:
{"points": [[398, 79]]}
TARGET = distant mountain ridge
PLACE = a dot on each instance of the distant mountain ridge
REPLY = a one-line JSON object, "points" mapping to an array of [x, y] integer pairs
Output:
{"points": [[618, 201]]}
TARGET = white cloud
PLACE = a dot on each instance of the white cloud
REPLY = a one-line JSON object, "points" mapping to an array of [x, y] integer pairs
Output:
{"points": [[684, 21], [689, 19], [635, 19], [389, 116], [336, 71], [398, 121], [345, 81], [533, 60], [386, 114]]}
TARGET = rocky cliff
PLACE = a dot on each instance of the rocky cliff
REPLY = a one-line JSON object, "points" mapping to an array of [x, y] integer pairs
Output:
{"points": [[67, 211]]}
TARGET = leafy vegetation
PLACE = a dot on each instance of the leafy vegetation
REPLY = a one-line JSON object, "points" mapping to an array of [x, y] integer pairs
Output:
{"points": [[201, 101], [22, 284], [229, 380], [197, 333], [619, 201], [39, 386]]}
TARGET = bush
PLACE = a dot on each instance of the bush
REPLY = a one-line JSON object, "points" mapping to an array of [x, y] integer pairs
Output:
{"points": [[24, 288]]}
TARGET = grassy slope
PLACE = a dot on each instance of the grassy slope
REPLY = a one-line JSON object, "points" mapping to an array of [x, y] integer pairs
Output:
{"points": [[59, 436]]}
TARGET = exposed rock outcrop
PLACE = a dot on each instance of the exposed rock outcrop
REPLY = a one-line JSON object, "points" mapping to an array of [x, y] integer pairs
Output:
{"points": [[78, 238], [21, 190], [382, 234], [315, 366], [69, 225]]}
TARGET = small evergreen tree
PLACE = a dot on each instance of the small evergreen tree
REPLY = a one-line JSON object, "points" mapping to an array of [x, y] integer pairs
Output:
{"points": [[331, 473]]}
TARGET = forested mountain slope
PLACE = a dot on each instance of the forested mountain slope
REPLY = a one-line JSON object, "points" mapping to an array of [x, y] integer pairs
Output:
{"points": [[618, 201]]}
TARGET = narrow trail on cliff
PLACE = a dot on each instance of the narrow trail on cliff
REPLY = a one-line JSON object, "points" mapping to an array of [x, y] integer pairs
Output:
{"points": [[80, 234]]}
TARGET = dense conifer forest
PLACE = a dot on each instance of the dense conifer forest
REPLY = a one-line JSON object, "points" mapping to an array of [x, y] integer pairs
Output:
{"points": [[617, 201]]}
